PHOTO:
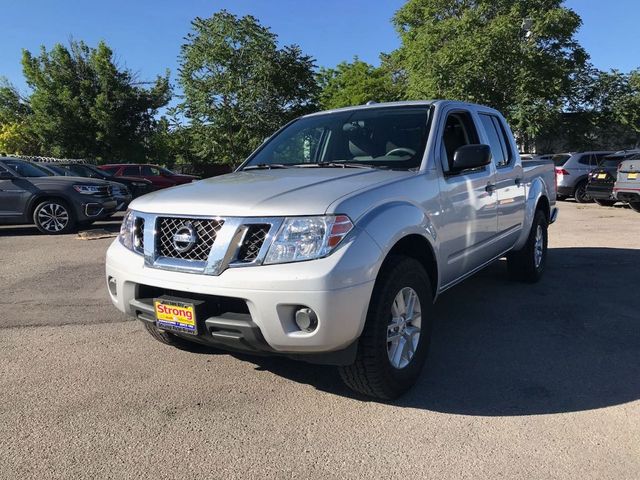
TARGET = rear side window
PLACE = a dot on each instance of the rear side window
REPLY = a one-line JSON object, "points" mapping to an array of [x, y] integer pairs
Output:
{"points": [[131, 171], [497, 140]]}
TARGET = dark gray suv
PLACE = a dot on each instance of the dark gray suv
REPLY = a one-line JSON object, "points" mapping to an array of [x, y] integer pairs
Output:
{"points": [[55, 205]]}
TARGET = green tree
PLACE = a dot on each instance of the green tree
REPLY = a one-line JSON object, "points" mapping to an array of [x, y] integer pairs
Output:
{"points": [[16, 135], [239, 87], [84, 105], [519, 56], [356, 83]]}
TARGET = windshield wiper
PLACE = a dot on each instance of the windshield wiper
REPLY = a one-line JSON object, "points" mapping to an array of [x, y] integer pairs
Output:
{"points": [[266, 166], [337, 165]]}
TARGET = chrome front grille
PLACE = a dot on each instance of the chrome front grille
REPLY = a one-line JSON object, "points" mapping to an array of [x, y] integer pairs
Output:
{"points": [[205, 245], [205, 231], [253, 241]]}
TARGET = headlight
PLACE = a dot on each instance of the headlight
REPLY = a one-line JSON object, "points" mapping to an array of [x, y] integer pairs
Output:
{"points": [[127, 230], [307, 238], [87, 189]]}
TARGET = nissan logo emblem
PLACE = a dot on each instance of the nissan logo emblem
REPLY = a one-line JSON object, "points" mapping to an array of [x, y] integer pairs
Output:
{"points": [[185, 238]]}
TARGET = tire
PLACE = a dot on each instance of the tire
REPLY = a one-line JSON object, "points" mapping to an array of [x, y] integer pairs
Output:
{"points": [[54, 217], [527, 264], [580, 193], [173, 340], [635, 206], [605, 203], [374, 373]]}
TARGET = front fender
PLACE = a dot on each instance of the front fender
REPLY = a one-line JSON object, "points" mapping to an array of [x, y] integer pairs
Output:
{"points": [[389, 223]]}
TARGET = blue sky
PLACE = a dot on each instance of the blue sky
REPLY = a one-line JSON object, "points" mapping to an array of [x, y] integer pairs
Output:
{"points": [[146, 35]]}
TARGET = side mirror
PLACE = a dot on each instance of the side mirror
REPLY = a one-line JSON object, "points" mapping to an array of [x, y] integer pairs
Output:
{"points": [[471, 156], [6, 175]]}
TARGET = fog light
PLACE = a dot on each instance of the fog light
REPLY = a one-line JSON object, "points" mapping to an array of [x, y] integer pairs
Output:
{"points": [[113, 286], [306, 319]]}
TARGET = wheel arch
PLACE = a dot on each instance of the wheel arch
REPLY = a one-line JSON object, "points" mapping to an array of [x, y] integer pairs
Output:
{"points": [[38, 199], [402, 228]]}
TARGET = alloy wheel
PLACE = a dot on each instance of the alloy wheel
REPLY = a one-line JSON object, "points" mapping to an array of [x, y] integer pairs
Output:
{"points": [[403, 332]]}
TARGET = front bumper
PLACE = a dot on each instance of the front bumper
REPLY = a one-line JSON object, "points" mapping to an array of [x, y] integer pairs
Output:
{"points": [[337, 288], [96, 208]]}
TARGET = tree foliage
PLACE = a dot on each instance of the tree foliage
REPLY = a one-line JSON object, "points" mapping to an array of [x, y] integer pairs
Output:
{"points": [[83, 105], [478, 51], [356, 83], [239, 87]]}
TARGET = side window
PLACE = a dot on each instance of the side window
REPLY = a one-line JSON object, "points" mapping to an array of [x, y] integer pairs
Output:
{"points": [[149, 171], [459, 131], [585, 159], [497, 154], [135, 171], [500, 151]]}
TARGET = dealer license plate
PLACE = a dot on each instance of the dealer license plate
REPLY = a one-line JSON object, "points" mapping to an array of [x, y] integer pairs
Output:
{"points": [[175, 315], [632, 176]]}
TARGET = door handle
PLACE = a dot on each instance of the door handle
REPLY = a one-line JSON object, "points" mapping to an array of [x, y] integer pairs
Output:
{"points": [[490, 188]]}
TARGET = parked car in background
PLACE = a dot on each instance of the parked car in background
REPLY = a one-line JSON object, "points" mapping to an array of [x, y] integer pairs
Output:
{"points": [[55, 204], [627, 185], [137, 186], [572, 173], [119, 191], [602, 178], [160, 177]]}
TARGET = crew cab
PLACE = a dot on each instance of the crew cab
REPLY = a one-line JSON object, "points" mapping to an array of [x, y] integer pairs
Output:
{"points": [[331, 242], [55, 204]]}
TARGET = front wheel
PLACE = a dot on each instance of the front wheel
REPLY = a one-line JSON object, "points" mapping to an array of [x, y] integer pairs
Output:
{"points": [[395, 341], [605, 203], [54, 217], [635, 206], [527, 264]]}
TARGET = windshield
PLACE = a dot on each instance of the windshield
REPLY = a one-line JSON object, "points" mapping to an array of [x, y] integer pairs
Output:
{"points": [[59, 170], [166, 171], [85, 170], [392, 137], [25, 169]]}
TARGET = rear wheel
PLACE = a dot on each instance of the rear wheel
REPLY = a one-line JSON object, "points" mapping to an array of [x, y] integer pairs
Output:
{"points": [[580, 193], [527, 264], [54, 217], [395, 341], [606, 203], [635, 206]]}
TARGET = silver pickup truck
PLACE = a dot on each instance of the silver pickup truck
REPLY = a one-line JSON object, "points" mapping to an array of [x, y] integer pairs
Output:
{"points": [[331, 242]]}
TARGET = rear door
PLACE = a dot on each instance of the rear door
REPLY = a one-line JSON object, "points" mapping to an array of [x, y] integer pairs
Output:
{"points": [[469, 216], [510, 189]]}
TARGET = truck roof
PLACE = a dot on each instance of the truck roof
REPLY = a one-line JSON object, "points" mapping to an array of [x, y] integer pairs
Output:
{"points": [[404, 103]]}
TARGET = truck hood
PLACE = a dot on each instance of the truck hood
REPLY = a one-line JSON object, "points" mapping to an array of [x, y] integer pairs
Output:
{"points": [[265, 193]]}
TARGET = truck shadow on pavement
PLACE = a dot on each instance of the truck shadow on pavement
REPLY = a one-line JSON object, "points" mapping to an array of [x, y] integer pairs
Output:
{"points": [[566, 344]]}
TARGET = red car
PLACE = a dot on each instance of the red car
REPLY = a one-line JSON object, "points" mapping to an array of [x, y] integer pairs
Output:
{"points": [[160, 177]]}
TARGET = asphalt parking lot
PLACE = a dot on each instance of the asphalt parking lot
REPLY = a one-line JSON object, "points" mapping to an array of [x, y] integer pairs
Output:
{"points": [[523, 381]]}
